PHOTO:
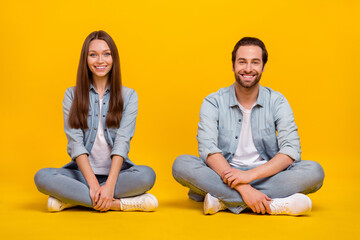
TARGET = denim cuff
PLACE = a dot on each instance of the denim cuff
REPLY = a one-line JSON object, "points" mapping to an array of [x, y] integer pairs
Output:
{"points": [[291, 152], [119, 153], [205, 153], [76, 150], [236, 209]]}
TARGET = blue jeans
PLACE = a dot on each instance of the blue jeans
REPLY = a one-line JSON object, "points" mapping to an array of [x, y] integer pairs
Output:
{"points": [[70, 186], [300, 177]]}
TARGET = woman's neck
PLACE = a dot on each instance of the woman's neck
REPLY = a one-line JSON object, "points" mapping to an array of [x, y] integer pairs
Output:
{"points": [[100, 85]]}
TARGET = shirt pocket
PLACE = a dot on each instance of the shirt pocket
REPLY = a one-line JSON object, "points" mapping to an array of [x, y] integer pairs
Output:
{"points": [[269, 140], [224, 139]]}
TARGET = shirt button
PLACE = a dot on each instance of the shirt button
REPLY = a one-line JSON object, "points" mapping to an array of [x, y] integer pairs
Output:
{"points": [[94, 128], [96, 115], [105, 129], [104, 103], [239, 120], [236, 137], [96, 101], [103, 115]]}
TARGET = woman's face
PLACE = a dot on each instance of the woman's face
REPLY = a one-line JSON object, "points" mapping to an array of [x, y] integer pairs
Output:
{"points": [[99, 59]]}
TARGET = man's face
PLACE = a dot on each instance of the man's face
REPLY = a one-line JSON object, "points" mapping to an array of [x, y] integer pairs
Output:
{"points": [[248, 66]]}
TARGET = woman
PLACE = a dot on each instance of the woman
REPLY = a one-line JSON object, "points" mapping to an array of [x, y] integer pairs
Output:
{"points": [[99, 122]]}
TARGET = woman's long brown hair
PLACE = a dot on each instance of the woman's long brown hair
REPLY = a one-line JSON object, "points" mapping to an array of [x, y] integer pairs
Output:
{"points": [[80, 105]]}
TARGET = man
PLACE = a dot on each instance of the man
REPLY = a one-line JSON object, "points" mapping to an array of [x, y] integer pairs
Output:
{"points": [[249, 146]]}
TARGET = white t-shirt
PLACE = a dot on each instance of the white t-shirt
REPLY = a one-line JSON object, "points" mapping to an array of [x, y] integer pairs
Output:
{"points": [[99, 157], [246, 154]]}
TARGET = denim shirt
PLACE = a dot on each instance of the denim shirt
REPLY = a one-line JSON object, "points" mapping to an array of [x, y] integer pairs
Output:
{"points": [[272, 124], [81, 141]]}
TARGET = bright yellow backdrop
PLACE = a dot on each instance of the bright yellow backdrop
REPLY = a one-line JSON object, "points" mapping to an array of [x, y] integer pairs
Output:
{"points": [[174, 53]]}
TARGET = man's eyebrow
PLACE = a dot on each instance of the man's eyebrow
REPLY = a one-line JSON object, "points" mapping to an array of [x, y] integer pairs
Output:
{"points": [[252, 59]]}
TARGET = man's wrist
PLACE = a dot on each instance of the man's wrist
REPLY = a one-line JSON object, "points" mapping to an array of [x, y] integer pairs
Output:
{"points": [[241, 188], [252, 175]]}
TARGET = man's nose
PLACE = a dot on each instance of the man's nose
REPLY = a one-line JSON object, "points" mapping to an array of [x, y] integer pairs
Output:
{"points": [[248, 67]]}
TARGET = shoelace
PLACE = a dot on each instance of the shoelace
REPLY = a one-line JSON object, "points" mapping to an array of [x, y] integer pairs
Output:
{"points": [[132, 204], [280, 208]]}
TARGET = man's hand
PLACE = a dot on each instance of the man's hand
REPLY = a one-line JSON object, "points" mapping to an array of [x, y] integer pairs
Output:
{"points": [[256, 200], [233, 177]]}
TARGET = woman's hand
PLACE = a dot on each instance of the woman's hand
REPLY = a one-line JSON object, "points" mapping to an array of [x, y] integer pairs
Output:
{"points": [[93, 193], [105, 194], [103, 198]]}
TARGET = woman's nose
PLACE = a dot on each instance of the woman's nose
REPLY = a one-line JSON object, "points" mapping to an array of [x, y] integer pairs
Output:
{"points": [[100, 59]]}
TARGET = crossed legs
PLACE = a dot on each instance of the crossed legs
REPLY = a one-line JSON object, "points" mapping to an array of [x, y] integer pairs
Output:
{"points": [[300, 177], [69, 185]]}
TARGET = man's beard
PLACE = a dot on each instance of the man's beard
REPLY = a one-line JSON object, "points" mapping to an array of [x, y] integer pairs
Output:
{"points": [[244, 85]]}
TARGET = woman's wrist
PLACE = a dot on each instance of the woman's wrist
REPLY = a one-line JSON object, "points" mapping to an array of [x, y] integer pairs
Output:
{"points": [[94, 185], [110, 184]]}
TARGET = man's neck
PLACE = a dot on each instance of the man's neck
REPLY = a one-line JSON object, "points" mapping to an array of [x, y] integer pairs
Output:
{"points": [[246, 96]]}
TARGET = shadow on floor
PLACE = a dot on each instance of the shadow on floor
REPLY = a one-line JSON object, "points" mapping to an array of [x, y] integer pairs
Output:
{"points": [[181, 203]]}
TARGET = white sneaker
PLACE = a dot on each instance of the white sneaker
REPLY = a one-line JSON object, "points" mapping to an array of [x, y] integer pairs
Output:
{"points": [[145, 202], [55, 205], [296, 204], [212, 204]]}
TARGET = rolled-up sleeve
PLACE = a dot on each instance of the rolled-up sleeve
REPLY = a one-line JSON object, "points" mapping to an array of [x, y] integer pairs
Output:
{"points": [[127, 127], [287, 134], [207, 134], [75, 137]]}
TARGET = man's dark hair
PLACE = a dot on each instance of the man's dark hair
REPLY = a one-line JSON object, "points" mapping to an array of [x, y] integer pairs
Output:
{"points": [[250, 41]]}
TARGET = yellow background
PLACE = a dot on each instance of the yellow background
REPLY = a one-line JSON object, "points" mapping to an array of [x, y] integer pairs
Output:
{"points": [[174, 53]]}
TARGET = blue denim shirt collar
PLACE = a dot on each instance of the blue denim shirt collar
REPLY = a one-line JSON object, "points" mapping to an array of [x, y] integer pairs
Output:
{"points": [[92, 88], [234, 102]]}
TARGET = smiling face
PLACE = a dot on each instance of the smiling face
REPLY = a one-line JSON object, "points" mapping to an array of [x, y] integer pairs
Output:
{"points": [[248, 66], [99, 59]]}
